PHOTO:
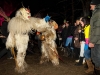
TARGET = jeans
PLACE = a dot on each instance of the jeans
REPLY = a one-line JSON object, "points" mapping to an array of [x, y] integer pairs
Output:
{"points": [[69, 42], [95, 55], [87, 52]]}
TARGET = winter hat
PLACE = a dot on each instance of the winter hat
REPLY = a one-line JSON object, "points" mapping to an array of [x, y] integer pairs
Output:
{"points": [[95, 2]]}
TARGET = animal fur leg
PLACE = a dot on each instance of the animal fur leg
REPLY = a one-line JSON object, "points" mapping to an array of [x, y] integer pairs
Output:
{"points": [[53, 55], [21, 64], [21, 52], [52, 52], [49, 52], [44, 57], [13, 53]]}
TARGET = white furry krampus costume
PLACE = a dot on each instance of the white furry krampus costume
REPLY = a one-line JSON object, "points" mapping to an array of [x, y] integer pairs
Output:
{"points": [[19, 27]]}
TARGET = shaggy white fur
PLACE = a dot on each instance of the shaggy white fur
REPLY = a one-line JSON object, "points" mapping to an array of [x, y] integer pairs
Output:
{"points": [[19, 28], [39, 24]]}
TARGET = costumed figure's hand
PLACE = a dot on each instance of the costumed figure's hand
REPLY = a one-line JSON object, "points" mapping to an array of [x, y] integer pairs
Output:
{"points": [[42, 37], [76, 38], [91, 45], [79, 31]]}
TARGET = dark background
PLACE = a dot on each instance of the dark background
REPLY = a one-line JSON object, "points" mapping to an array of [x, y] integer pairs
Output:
{"points": [[57, 9]]}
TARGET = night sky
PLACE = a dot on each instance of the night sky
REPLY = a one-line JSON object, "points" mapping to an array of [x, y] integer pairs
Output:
{"points": [[57, 9]]}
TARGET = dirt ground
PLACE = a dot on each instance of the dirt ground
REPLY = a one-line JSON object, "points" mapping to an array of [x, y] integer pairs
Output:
{"points": [[66, 66]]}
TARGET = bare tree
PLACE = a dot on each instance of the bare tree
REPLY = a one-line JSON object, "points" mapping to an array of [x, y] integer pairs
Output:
{"points": [[73, 7], [85, 6]]}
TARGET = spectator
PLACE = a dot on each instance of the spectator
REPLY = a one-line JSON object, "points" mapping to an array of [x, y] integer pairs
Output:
{"points": [[94, 39], [82, 42], [87, 51], [5, 35], [68, 44], [64, 37], [63, 34], [76, 40]]}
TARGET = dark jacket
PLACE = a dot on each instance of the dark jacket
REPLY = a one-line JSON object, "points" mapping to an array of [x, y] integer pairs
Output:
{"points": [[82, 35], [4, 31], [73, 30], [64, 34], [76, 34], [95, 26], [70, 31]]}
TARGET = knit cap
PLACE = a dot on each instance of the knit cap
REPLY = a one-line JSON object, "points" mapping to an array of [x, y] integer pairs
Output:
{"points": [[95, 2]]}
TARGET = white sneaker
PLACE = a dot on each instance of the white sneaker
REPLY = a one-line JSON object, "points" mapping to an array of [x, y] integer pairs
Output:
{"points": [[77, 60], [84, 61], [10, 58]]}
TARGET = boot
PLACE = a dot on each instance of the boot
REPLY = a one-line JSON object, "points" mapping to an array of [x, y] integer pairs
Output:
{"points": [[90, 69], [66, 53], [97, 71], [86, 66], [80, 61]]}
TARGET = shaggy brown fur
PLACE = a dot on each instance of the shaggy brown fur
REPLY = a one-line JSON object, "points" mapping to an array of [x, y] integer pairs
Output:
{"points": [[49, 50]]}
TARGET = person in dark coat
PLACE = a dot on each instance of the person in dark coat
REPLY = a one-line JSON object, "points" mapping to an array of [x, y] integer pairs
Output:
{"points": [[77, 40], [94, 37], [5, 33], [64, 34]]}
